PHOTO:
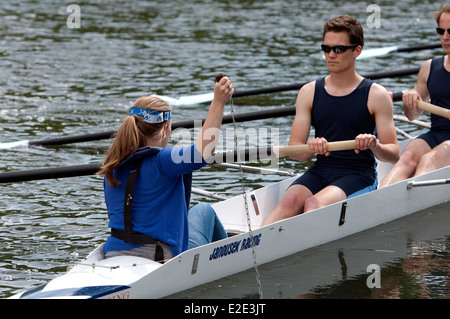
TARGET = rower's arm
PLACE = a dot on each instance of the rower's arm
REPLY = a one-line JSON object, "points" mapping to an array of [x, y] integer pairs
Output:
{"points": [[302, 121], [380, 105], [208, 138], [419, 92]]}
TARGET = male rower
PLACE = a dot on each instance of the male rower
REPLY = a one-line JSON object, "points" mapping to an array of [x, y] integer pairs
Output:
{"points": [[340, 106], [430, 150]]}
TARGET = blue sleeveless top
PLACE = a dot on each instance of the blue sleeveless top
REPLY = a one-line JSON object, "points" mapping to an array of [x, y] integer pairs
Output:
{"points": [[439, 88], [338, 118]]}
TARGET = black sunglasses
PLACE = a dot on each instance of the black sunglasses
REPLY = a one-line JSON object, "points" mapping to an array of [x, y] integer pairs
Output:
{"points": [[337, 48], [441, 31]]}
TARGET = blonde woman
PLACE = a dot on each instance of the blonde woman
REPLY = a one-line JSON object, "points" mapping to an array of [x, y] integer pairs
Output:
{"points": [[146, 178]]}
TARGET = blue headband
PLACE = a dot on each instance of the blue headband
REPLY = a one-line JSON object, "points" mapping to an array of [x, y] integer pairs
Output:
{"points": [[151, 116]]}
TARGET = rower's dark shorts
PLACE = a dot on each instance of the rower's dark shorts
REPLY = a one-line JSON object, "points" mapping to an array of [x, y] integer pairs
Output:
{"points": [[435, 137], [318, 177]]}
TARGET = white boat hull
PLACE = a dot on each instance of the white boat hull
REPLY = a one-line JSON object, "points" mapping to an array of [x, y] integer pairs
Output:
{"points": [[133, 277]]}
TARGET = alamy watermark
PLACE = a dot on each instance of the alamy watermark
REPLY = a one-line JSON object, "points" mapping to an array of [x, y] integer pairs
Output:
{"points": [[374, 279], [74, 19], [374, 19]]}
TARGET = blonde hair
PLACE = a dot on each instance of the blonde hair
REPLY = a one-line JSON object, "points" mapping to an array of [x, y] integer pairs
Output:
{"points": [[132, 134]]}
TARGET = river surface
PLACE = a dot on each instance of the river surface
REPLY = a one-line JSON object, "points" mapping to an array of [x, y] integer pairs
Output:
{"points": [[64, 76]]}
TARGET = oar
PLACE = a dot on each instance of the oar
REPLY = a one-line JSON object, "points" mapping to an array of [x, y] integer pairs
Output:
{"points": [[207, 97], [367, 53], [438, 110], [72, 171], [220, 157], [49, 173], [239, 117], [274, 152], [376, 52]]}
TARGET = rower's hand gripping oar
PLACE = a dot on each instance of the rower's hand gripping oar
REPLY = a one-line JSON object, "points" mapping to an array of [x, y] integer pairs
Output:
{"points": [[424, 106], [438, 110]]}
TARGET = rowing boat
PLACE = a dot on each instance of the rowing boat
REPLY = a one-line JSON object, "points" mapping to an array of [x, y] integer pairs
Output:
{"points": [[134, 277]]}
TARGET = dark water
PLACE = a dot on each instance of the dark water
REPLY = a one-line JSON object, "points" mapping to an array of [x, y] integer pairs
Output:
{"points": [[412, 253], [59, 81]]}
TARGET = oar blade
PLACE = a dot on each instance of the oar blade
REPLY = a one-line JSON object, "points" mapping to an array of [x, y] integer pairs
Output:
{"points": [[9, 145]]}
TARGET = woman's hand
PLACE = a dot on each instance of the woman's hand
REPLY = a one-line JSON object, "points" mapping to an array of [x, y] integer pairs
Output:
{"points": [[223, 90], [209, 137]]}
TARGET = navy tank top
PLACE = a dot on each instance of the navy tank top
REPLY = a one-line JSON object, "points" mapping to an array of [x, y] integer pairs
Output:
{"points": [[338, 118], [439, 88]]}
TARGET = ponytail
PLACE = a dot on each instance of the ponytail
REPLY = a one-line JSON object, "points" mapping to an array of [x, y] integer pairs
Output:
{"points": [[132, 134], [127, 140]]}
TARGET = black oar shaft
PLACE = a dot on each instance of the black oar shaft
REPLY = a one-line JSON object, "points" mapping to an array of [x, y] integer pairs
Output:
{"points": [[246, 155], [49, 173], [242, 117], [392, 74], [420, 47], [397, 96], [74, 139], [298, 86], [267, 90]]}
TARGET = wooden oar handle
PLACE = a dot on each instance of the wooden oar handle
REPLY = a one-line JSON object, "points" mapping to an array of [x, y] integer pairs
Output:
{"points": [[283, 151], [441, 111]]}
